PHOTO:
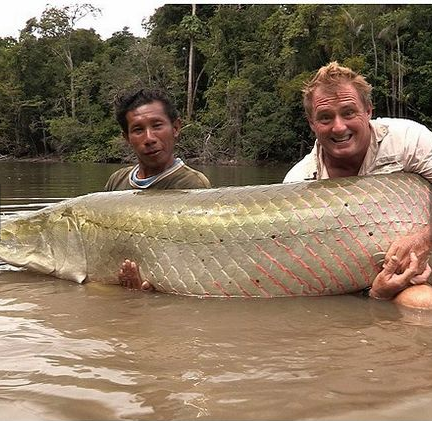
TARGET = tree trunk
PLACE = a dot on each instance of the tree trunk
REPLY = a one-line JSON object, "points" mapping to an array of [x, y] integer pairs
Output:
{"points": [[70, 66], [190, 90], [400, 78], [375, 51], [72, 93], [384, 70], [44, 137]]}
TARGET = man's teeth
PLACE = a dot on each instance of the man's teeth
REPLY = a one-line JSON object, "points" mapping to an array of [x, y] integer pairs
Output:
{"points": [[342, 139]]}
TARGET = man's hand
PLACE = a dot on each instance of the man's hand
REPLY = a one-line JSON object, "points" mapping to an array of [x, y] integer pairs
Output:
{"points": [[420, 243], [130, 277], [388, 283]]}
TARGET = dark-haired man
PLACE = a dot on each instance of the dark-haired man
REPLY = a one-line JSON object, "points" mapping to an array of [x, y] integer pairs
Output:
{"points": [[151, 126]]}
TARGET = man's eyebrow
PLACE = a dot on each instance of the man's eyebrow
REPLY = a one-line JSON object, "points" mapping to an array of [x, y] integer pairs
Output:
{"points": [[157, 117], [325, 111]]}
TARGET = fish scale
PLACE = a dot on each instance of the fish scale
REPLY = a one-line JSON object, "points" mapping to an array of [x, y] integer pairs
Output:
{"points": [[305, 239]]}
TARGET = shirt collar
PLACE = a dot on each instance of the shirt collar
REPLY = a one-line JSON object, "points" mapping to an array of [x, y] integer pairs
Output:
{"points": [[378, 133], [143, 183]]}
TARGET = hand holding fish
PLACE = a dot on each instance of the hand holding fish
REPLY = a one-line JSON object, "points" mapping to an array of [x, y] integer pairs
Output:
{"points": [[420, 243], [130, 277], [388, 283]]}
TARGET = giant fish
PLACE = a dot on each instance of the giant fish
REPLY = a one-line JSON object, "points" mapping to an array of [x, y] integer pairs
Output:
{"points": [[304, 239]]}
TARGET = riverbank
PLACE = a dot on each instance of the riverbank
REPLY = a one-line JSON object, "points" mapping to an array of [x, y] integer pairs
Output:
{"points": [[190, 161], [11, 158]]}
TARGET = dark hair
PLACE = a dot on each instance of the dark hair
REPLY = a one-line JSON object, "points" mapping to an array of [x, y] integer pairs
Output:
{"points": [[130, 100]]}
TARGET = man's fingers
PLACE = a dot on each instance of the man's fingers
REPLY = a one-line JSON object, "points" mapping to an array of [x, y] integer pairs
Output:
{"points": [[390, 267], [413, 267], [391, 252], [129, 276], [405, 278], [146, 285], [422, 278], [388, 283]]}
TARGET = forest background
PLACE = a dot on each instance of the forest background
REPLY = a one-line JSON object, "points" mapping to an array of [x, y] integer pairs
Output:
{"points": [[235, 71]]}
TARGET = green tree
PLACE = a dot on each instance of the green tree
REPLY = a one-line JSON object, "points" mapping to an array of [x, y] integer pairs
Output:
{"points": [[59, 25]]}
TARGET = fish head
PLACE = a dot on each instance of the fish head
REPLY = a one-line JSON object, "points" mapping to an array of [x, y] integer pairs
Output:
{"points": [[47, 242], [23, 244]]}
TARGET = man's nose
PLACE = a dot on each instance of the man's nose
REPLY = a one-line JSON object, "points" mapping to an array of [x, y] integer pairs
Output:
{"points": [[339, 125], [149, 136]]}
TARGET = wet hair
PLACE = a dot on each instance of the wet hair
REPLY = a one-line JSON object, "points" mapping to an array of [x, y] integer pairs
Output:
{"points": [[329, 78], [131, 100]]}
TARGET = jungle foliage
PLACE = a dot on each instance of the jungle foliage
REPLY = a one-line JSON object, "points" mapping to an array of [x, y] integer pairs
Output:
{"points": [[235, 71]]}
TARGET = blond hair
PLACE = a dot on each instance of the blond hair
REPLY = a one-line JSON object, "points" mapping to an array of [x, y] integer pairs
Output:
{"points": [[329, 78]]}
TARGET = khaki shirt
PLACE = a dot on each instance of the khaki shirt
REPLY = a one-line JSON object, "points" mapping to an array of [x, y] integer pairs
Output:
{"points": [[183, 178], [396, 145]]}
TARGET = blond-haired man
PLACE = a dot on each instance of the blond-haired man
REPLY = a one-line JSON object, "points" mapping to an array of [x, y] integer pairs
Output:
{"points": [[338, 106]]}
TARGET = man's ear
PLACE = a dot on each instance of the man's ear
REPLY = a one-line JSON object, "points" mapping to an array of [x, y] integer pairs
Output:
{"points": [[176, 128]]}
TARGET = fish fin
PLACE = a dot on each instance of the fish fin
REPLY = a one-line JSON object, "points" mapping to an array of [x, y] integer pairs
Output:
{"points": [[69, 251]]}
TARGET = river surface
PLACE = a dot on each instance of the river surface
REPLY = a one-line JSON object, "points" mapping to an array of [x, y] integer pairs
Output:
{"points": [[94, 352]]}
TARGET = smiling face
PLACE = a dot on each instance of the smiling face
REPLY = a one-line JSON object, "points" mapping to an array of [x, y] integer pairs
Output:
{"points": [[340, 121], [152, 136]]}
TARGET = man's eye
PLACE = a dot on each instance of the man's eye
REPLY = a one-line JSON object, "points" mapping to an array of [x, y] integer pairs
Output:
{"points": [[324, 119], [349, 113]]}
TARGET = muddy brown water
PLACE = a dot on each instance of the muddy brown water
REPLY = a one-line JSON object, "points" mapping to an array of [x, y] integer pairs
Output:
{"points": [[95, 352]]}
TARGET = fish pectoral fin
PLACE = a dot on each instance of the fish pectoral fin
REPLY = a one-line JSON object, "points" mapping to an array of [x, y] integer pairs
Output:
{"points": [[69, 252]]}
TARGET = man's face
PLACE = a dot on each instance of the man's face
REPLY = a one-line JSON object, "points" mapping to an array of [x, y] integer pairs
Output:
{"points": [[340, 122], [152, 136]]}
